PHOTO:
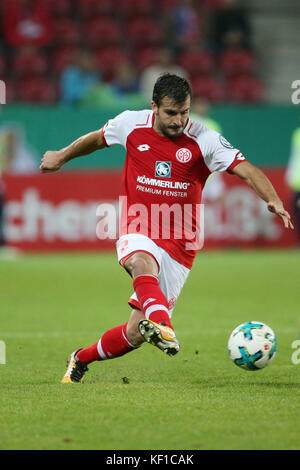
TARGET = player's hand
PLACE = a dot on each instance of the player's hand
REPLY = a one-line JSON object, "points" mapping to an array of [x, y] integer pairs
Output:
{"points": [[51, 161], [278, 209]]}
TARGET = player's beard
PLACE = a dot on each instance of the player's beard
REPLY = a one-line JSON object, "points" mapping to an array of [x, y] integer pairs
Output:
{"points": [[170, 131]]}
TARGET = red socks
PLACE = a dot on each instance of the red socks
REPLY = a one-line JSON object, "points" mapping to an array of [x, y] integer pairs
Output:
{"points": [[153, 302], [114, 343], [89, 354]]}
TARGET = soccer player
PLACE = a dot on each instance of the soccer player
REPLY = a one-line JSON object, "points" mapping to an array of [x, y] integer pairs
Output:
{"points": [[169, 158]]}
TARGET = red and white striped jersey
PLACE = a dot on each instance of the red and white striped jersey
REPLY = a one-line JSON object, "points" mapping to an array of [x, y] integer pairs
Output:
{"points": [[166, 172]]}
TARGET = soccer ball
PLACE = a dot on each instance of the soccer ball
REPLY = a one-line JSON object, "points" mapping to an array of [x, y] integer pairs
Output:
{"points": [[252, 345]]}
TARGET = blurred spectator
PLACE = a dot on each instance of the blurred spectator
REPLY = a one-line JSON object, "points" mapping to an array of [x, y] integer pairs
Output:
{"points": [[26, 22], [126, 87], [231, 27], [200, 112], [16, 155], [185, 23], [293, 177], [164, 63], [101, 95], [29, 61], [104, 96], [78, 78], [126, 80]]}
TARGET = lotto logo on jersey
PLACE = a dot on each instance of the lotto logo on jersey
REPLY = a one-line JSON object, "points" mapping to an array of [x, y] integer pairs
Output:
{"points": [[143, 147], [183, 155], [163, 169]]}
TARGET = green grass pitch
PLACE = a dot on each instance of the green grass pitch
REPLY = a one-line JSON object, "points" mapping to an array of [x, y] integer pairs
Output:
{"points": [[53, 304]]}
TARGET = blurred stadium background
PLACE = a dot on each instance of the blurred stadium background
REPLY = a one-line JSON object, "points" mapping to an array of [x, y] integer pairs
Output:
{"points": [[68, 66]]}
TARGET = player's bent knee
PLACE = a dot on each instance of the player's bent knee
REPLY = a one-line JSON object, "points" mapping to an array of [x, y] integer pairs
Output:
{"points": [[141, 263]]}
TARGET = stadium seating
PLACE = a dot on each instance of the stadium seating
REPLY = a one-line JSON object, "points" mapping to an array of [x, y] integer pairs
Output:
{"points": [[143, 32], [133, 30], [103, 31], [130, 8], [93, 8], [237, 62], [244, 89], [2, 65], [37, 90], [146, 57], [62, 57], [108, 59], [167, 4], [197, 62], [17, 31], [11, 91], [66, 31], [209, 87], [61, 8], [29, 62]]}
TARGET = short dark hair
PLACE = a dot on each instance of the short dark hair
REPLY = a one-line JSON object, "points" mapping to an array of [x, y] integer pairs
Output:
{"points": [[172, 86]]}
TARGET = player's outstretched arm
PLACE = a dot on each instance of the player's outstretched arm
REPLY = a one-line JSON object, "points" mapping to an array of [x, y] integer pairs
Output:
{"points": [[53, 160], [259, 182]]}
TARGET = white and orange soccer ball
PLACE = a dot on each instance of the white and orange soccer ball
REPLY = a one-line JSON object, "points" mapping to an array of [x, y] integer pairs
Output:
{"points": [[252, 345]]}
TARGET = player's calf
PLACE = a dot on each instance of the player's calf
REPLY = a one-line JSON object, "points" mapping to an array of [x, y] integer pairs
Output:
{"points": [[132, 329]]}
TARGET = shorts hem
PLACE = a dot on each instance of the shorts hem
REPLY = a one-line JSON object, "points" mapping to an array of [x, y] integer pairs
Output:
{"points": [[134, 304]]}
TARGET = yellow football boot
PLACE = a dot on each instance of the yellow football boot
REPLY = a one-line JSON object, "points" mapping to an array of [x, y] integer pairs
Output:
{"points": [[75, 369], [161, 336]]}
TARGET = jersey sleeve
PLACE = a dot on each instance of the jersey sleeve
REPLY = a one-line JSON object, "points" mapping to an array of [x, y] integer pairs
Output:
{"points": [[115, 131], [219, 154]]}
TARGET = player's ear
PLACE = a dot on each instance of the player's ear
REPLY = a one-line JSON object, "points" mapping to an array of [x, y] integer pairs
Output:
{"points": [[154, 107]]}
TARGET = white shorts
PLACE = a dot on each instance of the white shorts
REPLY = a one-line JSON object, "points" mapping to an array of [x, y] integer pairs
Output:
{"points": [[172, 275]]}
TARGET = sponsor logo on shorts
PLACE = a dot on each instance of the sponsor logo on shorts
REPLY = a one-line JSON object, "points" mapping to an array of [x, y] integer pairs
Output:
{"points": [[172, 303], [163, 169], [183, 155], [123, 246]]}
